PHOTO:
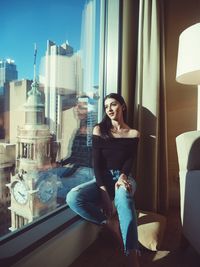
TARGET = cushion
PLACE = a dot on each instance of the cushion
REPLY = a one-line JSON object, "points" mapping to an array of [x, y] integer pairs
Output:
{"points": [[151, 229]]}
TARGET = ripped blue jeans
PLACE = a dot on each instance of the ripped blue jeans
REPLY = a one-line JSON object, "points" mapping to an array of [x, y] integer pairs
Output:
{"points": [[85, 200]]}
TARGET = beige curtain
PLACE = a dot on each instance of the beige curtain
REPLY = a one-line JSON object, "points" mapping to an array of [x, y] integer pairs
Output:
{"points": [[149, 102]]}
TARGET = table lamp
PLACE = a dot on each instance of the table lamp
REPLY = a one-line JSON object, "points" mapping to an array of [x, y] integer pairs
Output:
{"points": [[188, 63]]}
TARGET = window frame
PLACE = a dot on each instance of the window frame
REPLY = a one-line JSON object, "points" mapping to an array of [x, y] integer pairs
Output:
{"points": [[110, 77]]}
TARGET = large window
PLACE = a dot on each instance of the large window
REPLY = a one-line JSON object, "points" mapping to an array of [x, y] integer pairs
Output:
{"points": [[58, 59], [49, 102]]}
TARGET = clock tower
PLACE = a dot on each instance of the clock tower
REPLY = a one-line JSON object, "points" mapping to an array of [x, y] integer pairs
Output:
{"points": [[33, 191]]}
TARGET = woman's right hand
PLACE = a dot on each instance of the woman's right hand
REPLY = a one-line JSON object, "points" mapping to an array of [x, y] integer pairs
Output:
{"points": [[106, 202], [123, 181]]}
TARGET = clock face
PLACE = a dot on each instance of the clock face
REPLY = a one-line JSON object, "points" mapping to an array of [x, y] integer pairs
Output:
{"points": [[46, 191], [20, 192]]}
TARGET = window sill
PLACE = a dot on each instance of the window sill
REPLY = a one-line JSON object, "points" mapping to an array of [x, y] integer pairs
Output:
{"points": [[18, 244]]}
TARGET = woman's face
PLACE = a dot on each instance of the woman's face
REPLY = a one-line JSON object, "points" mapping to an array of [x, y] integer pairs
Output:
{"points": [[113, 109]]}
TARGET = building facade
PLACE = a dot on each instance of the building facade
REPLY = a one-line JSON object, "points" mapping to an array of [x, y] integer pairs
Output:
{"points": [[14, 115], [33, 192], [8, 72], [59, 78], [7, 162]]}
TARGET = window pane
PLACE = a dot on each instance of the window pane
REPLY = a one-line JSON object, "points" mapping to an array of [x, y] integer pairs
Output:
{"points": [[48, 104]]}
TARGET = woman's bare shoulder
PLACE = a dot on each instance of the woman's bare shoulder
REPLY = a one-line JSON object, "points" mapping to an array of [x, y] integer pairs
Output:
{"points": [[96, 130], [134, 133]]}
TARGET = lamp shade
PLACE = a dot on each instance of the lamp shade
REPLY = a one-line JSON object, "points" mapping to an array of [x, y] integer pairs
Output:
{"points": [[188, 64]]}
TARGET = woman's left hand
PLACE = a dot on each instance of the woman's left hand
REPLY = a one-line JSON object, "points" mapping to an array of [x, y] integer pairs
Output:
{"points": [[123, 181]]}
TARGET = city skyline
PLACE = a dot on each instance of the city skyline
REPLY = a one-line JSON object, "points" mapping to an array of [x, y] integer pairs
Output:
{"points": [[37, 22]]}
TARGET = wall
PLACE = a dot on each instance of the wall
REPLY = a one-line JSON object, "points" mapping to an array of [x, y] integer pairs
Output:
{"points": [[181, 99]]}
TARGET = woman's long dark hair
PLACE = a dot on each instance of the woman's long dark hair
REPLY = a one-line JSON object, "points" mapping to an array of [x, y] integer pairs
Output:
{"points": [[105, 125]]}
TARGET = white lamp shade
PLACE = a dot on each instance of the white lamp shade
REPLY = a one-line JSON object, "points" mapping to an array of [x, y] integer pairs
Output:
{"points": [[188, 64]]}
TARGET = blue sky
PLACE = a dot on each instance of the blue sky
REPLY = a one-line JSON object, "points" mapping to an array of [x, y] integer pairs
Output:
{"points": [[25, 22]]}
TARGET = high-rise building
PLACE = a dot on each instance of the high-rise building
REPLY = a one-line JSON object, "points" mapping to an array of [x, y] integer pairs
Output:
{"points": [[15, 96], [59, 78], [8, 72]]}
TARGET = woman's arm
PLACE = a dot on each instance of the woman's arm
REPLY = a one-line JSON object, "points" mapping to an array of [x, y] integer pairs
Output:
{"points": [[97, 156]]}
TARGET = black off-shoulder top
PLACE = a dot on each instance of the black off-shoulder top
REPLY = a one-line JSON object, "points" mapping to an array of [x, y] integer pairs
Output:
{"points": [[112, 154]]}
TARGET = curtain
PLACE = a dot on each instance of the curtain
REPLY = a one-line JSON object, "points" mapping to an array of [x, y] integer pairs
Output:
{"points": [[149, 98]]}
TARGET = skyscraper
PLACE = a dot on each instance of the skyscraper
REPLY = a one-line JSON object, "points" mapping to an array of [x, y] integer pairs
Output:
{"points": [[8, 72], [58, 76], [15, 96]]}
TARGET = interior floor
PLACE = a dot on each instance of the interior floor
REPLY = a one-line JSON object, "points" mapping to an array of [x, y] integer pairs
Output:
{"points": [[174, 252]]}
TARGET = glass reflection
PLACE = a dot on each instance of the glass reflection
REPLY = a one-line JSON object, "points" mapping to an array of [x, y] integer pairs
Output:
{"points": [[46, 125]]}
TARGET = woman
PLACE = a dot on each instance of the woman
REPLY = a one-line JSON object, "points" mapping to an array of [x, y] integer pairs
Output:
{"points": [[114, 148]]}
